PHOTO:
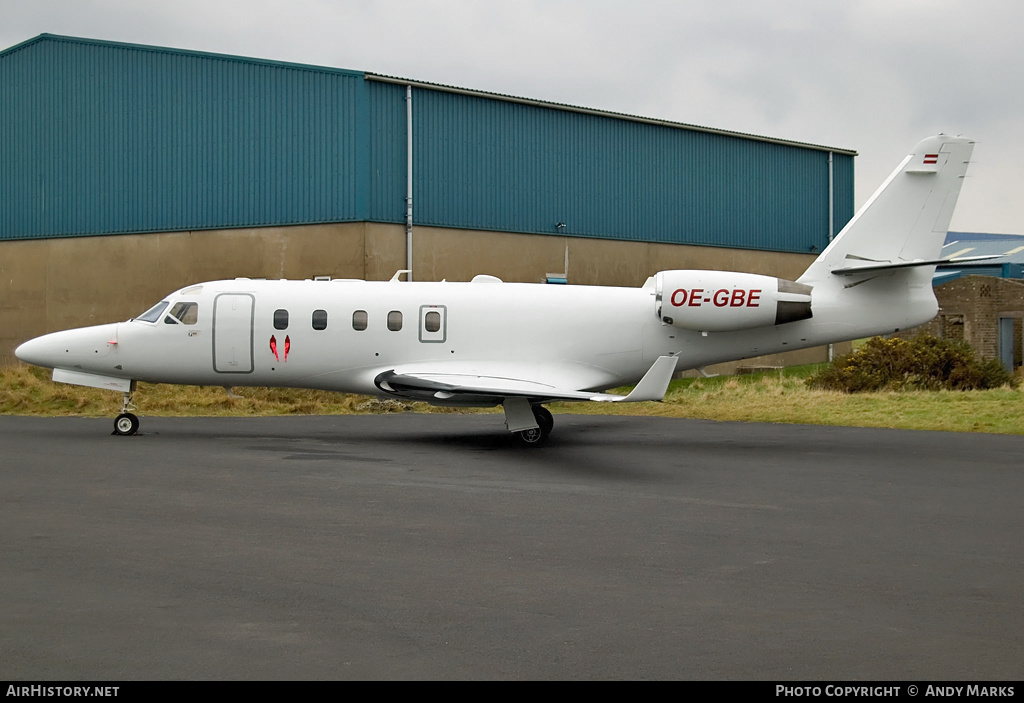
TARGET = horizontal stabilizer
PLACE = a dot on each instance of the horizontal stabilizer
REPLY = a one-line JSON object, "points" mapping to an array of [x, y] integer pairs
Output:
{"points": [[889, 265]]}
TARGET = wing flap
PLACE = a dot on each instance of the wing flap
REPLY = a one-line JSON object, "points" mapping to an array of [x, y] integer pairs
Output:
{"points": [[447, 386], [455, 387]]}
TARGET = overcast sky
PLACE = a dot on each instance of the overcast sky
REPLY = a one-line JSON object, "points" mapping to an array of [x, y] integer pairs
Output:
{"points": [[874, 76]]}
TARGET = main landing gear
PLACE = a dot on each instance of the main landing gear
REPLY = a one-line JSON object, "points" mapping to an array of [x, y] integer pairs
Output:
{"points": [[127, 423], [537, 436]]}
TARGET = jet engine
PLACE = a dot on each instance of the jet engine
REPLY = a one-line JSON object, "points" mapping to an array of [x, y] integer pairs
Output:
{"points": [[724, 301]]}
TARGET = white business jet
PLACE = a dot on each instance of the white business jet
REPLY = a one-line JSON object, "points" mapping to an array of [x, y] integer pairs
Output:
{"points": [[520, 345]]}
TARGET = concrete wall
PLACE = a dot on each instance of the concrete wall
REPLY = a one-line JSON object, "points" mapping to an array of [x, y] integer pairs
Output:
{"points": [[53, 284], [460, 254]]}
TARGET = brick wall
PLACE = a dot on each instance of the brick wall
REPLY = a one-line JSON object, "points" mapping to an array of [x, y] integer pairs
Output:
{"points": [[970, 308]]}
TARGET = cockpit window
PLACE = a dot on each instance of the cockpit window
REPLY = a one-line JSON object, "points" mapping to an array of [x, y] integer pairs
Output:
{"points": [[153, 314], [185, 313]]}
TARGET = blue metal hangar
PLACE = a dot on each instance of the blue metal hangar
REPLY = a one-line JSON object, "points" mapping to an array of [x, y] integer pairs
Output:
{"points": [[129, 171]]}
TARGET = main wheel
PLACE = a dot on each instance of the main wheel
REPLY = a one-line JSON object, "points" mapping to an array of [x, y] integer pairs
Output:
{"points": [[538, 435], [544, 419], [126, 424], [531, 438]]}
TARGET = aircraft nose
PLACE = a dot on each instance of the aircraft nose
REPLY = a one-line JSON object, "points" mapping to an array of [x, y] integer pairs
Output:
{"points": [[43, 351], [64, 348]]}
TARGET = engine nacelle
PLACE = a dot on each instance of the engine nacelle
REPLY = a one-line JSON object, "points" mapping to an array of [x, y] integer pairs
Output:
{"points": [[724, 301]]}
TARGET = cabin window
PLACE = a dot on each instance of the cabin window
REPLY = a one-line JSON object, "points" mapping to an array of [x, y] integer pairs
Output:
{"points": [[319, 319], [432, 321], [280, 319], [185, 313], [359, 319], [394, 320], [153, 314]]}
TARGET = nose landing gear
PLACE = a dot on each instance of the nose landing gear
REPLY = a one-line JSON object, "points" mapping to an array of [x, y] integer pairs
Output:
{"points": [[127, 423]]}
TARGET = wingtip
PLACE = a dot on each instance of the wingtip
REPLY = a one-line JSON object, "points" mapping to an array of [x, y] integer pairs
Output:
{"points": [[652, 386]]}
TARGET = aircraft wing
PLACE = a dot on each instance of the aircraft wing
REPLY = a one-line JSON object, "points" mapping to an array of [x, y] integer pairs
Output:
{"points": [[454, 387]]}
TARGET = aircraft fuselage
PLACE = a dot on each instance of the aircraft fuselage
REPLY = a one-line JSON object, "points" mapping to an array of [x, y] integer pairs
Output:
{"points": [[340, 335]]}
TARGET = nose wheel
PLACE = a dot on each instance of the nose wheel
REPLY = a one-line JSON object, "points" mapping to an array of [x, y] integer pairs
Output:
{"points": [[126, 424]]}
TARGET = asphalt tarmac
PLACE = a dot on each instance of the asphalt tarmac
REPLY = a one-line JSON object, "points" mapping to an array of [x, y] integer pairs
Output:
{"points": [[434, 547]]}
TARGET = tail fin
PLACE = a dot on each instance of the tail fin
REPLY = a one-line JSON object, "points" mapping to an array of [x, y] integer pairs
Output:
{"points": [[905, 222]]}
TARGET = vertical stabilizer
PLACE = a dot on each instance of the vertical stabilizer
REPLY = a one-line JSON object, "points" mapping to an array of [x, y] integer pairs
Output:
{"points": [[907, 218]]}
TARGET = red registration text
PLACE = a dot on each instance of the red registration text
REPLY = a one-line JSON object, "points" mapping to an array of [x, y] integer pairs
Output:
{"points": [[722, 298]]}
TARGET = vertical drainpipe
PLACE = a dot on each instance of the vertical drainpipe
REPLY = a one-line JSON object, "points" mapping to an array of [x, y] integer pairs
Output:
{"points": [[831, 199], [831, 225], [408, 181]]}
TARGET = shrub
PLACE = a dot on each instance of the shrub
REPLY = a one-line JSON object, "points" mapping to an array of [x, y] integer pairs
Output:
{"points": [[922, 363]]}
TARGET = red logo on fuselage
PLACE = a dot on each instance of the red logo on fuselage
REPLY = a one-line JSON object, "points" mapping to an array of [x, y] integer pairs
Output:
{"points": [[722, 298]]}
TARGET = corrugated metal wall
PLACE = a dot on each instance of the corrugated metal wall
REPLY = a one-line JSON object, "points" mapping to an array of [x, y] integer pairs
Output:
{"points": [[499, 165], [97, 138], [388, 152]]}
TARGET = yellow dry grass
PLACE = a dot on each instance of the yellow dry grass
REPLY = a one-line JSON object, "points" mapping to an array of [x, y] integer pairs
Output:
{"points": [[772, 397]]}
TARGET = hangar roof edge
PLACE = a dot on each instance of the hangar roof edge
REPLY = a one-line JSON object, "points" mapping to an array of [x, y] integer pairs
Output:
{"points": [[180, 52], [603, 113], [423, 84]]}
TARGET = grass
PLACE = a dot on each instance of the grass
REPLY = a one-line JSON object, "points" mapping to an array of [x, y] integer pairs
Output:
{"points": [[783, 397], [768, 397], [29, 391]]}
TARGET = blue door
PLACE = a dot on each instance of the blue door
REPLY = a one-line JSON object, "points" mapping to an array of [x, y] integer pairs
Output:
{"points": [[1006, 342]]}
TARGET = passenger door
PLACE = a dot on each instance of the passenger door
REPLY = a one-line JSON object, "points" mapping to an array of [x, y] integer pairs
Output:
{"points": [[233, 332]]}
